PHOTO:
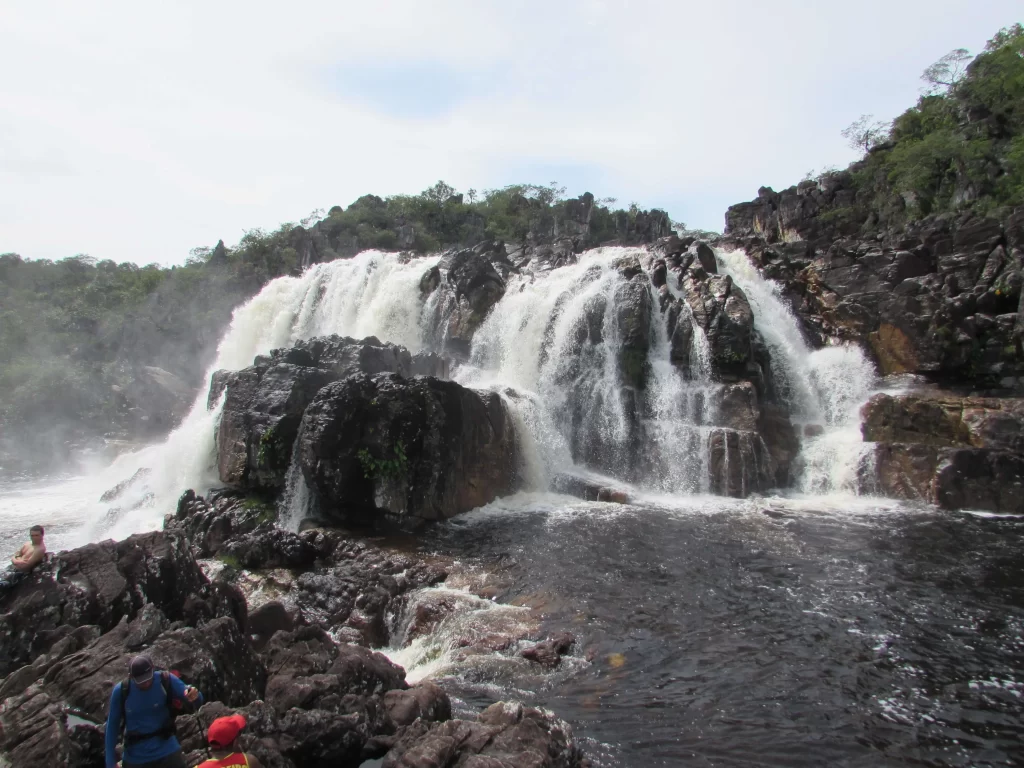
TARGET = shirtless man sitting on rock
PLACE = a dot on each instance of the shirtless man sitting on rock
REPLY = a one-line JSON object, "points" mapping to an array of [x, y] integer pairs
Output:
{"points": [[29, 556]]}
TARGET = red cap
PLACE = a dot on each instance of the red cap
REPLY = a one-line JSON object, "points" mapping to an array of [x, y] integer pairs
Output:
{"points": [[225, 730]]}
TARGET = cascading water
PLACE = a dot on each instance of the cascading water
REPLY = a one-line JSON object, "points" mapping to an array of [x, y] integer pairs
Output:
{"points": [[557, 349], [823, 388], [371, 294]]}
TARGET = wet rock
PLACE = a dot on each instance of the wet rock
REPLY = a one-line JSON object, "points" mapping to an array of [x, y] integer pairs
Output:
{"points": [[261, 415], [706, 258], [56, 718], [473, 286], [98, 584], [549, 652], [588, 489], [359, 588], [263, 404], [980, 479], [633, 318], [902, 471], [739, 463], [392, 450], [269, 618], [945, 420], [118, 490], [721, 309], [308, 670], [425, 700], [505, 735]]}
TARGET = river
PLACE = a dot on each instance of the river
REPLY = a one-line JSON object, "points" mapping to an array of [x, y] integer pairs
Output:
{"points": [[810, 627]]}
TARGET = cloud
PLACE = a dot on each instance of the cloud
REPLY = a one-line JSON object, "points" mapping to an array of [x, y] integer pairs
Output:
{"points": [[136, 132]]}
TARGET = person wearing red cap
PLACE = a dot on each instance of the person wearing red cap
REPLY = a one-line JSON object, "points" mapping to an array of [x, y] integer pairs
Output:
{"points": [[222, 735]]}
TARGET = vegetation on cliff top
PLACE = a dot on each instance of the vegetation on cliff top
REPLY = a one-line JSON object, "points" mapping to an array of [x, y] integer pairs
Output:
{"points": [[74, 332], [960, 147]]}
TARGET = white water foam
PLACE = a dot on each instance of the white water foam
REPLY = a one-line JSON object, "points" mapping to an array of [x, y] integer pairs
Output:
{"points": [[823, 388], [371, 294]]}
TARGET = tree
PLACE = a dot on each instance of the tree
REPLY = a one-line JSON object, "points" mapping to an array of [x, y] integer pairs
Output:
{"points": [[947, 71], [1006, 36], [440, 193], [865, 132]]}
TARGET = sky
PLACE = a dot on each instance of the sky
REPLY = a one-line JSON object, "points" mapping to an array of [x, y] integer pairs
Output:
{"points": [[137, 131]]}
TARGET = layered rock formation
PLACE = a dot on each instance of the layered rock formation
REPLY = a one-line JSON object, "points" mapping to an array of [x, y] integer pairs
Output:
{"points": [[311, 699], [956, 452], [938, 297]]}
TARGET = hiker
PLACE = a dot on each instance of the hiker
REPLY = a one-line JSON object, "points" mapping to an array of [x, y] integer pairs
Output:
{"points": [[147, 713], [29, 556], [222, 735]]}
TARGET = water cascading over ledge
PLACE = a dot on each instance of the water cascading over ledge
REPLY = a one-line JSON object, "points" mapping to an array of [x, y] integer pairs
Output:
{"points": [[678, 372]]}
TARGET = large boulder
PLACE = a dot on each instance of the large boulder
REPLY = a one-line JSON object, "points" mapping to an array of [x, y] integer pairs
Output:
{"points": [[957, 452], [472, 285], [100, 584], [263, 404], [388, 449], [308, 670]]}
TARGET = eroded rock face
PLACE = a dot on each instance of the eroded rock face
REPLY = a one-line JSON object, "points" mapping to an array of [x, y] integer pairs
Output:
{"points": [[505, 735], [54, 709], [99, 584], [937, 297], [387, 449], [471, 286], [957, 452], [263, 404]]}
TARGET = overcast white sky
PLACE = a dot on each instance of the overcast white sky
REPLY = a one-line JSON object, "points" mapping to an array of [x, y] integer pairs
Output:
{"points": [[136, 131]]}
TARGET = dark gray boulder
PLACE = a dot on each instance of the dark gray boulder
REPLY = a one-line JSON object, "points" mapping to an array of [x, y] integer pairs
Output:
{"points": [[388, 449], [264, 403]]}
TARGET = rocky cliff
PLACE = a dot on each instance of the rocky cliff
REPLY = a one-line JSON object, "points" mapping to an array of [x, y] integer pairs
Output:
{"points": [[939, 297]]}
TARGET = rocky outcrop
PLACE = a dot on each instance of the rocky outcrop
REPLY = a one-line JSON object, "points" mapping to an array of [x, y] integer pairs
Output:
{"points": [[387, 449], [101, 584], [470, 282], [937, 297], [263, 404], [956, 452], [53, 710], [506, 734]]}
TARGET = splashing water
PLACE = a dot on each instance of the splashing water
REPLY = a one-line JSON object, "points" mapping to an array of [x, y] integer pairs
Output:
{"points": [[371, 294], [552, 347], [823, 388]]}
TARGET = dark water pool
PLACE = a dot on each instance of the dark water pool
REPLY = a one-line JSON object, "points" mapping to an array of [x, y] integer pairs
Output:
{"points": [[797, 638]]}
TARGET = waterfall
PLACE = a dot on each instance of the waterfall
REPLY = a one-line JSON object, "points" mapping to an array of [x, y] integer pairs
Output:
{"points": [[582, 357], [371, 294], [824, 388]]}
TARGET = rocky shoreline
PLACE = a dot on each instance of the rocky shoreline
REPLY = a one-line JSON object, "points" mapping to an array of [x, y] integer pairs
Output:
{"points": [[281, 629]]}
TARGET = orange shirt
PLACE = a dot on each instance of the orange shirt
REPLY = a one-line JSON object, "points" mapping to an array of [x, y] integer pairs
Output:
{"points": [[231, 761]]}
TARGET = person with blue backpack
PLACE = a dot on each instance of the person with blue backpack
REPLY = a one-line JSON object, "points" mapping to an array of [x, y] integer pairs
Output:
{"points": [[145, 705]]}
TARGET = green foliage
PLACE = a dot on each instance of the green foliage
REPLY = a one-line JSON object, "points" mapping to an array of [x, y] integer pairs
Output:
{"points": [[959, 147], [271, 450], [230, 561], [392, 467], [265, 510]]}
